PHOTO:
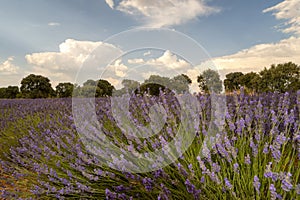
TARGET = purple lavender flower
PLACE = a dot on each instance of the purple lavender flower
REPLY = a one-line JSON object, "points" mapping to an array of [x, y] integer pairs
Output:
{"points": [[247, 160], [266, 148], [236, 168], [256, 184], [202, 180], [165, 193], [192, 189], [273, 192], [182, 170], [298, 189], [148, 183], [275, 152], [228, 184], [254, 148], [110, 195], [286, 185]]}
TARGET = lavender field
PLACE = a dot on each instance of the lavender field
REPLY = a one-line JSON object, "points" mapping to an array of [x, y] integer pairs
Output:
{"points": [[256, 155]]}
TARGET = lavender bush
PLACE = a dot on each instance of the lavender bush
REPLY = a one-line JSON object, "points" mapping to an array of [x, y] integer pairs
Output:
{"points": [[256, 155]]}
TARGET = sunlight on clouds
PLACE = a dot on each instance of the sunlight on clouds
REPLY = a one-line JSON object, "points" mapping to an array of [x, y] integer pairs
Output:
{"points": [[53, 24], [168, 61], [8, 68], [64, 65], [164, 13], [287, 10], [110, 3], [136, 61], [262, 55], [118, 68]]}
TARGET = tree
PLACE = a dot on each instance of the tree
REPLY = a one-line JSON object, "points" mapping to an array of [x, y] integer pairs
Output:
{"points": [[129, 86], [36, 86], [64, 90], [209, 81], [104, 88], [100, 88], [90, 82], [181, 83], [151, 89], [164, 81], [250, 81], [233, 81], [11, 92], [280, 78]]}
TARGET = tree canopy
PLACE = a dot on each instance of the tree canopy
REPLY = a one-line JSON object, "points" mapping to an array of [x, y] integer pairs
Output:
{"points": [[64, 90], [36, 86], [209, 81], [278, 78]]}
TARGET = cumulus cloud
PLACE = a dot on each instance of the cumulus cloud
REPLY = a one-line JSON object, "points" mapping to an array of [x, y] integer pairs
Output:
{"points": [[72, 55], [136, 61], [118, 68], [262, 55], [110, 3], [147, 53], [287, 10], [164, 13], [168, 61], [8, 68], [53, 24]]}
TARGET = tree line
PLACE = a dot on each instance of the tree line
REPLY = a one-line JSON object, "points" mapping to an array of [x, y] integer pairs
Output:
{"points": [[278, 78]]}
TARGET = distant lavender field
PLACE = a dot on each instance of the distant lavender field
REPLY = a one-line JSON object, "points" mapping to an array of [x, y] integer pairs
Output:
{"points": [[256, 156]]}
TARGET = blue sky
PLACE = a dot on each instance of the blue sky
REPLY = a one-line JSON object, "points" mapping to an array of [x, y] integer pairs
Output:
{"points": [[47, 36]]}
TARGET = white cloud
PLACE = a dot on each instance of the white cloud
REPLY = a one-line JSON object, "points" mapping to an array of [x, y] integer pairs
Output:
{"points": [[136, 61], [262, 55], [147, 53], [118, 68], [53, 24], [64, 64], [8, 68], [287, 10], [168, 61], [110, 3], [165, 13]]}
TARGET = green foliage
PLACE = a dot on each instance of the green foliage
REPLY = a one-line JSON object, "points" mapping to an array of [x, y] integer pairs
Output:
{"points": [[233, 81], [181, 83], [64, 90], [36, 86], [150, 88], [104, 88], [280, 78], [129, 86], [91, 88], [209, 81], [250, 81], [11, 92]]}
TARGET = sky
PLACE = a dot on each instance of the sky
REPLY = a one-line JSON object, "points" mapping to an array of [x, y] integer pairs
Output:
{"points": [[70, 41]]}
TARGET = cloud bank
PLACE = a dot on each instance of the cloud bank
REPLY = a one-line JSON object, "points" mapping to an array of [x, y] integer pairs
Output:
{"points": [[164, 13], [8, 68], [287, 10], [64, 64], [264, 55]]}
